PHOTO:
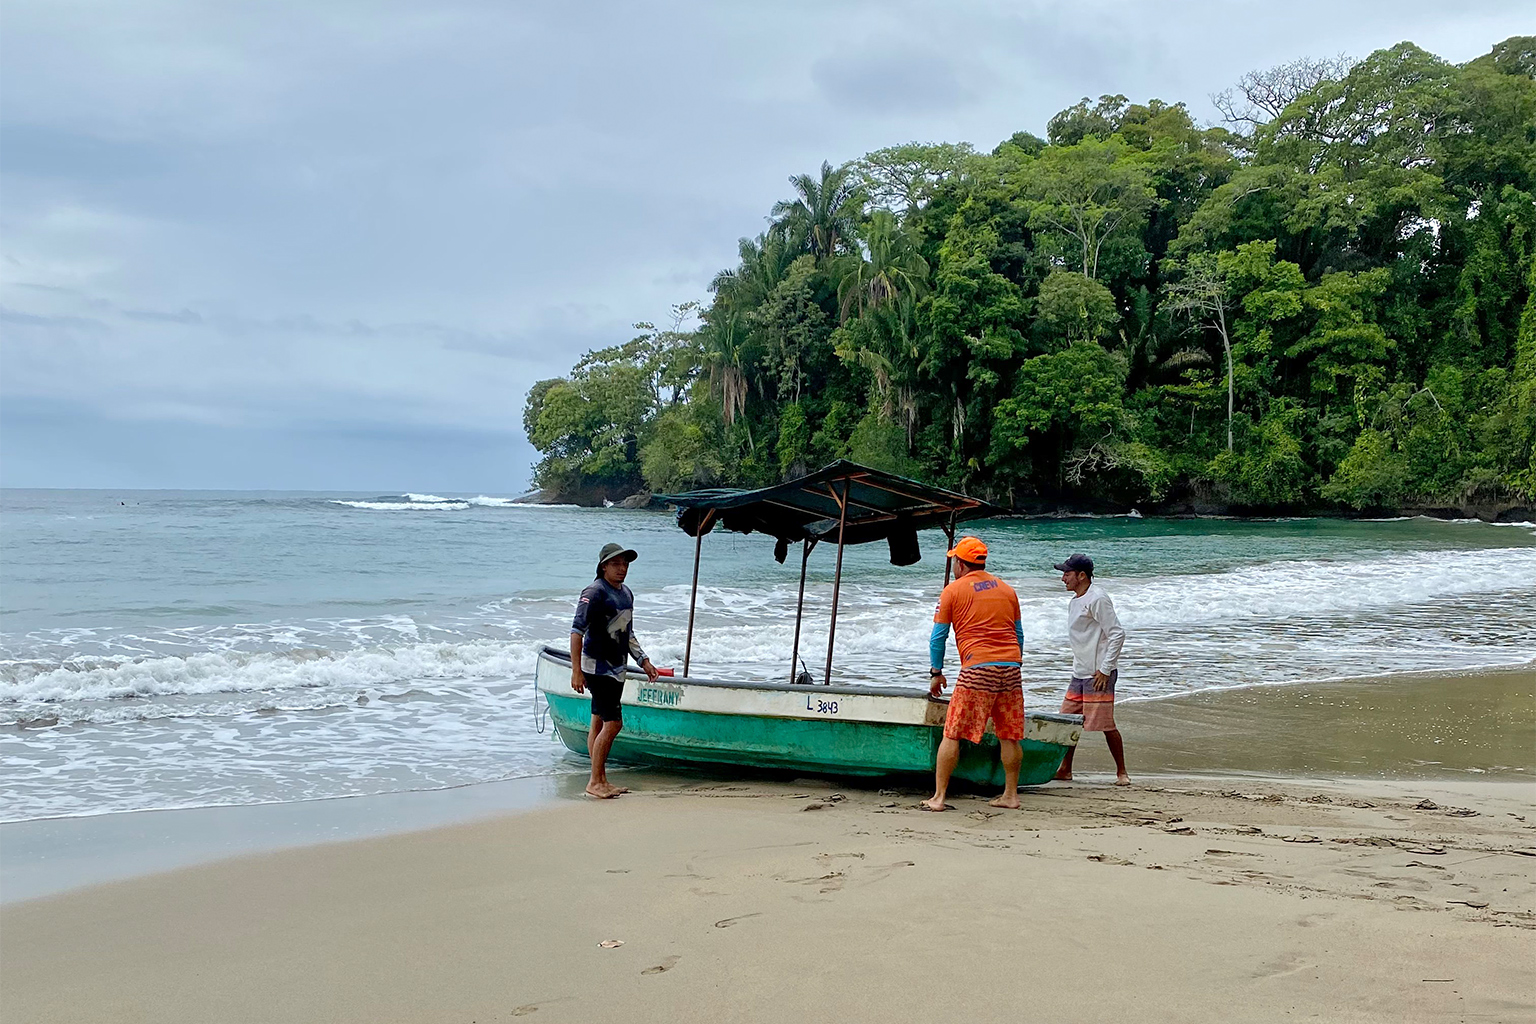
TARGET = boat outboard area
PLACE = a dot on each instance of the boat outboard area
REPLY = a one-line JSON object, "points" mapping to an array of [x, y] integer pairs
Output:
{"points": [[787, 723]]}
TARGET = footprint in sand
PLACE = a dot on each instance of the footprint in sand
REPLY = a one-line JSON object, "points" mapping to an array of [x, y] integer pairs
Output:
{"points": [[732, 920], [663, 967], [1107, 858], [1283, 967]]}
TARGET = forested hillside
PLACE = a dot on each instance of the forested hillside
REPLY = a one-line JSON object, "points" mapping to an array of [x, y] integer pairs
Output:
{"points": [[1327, 301]]}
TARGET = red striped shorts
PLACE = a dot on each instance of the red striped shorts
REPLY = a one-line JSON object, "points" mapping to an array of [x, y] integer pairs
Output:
{"points": [[983, 692]]}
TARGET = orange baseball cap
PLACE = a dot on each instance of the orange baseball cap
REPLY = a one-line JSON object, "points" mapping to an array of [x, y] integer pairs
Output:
{"points": [[969, 549]]}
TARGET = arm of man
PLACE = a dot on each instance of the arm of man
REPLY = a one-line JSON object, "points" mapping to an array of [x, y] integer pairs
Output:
{"points": [[578, 680], [1114, 634], [578, 634], [638, 653], [1018, 624], [937, 640]]}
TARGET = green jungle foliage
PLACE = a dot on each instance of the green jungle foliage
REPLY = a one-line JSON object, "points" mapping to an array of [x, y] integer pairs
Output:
{"points": [[1328, 302]]}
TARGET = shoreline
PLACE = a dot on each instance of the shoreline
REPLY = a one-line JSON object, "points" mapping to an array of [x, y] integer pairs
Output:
{"points": [[1496, 513], [1342, 731], [43, 857], [1358, 901]]}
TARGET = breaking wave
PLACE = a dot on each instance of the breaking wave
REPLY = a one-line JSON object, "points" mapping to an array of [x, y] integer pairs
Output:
{"points": [[26, 685], [411, 502]]}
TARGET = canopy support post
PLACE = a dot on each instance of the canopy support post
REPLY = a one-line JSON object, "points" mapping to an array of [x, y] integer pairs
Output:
{"points": [[837, 579], [949, 531], [794, 657], [693, 597]]}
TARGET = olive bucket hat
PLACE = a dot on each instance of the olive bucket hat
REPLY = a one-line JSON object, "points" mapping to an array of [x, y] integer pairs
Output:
{"points": [[611, 551]]}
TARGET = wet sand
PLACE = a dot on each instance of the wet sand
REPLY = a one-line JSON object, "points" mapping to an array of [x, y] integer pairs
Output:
{"points": [[1450, 726]]}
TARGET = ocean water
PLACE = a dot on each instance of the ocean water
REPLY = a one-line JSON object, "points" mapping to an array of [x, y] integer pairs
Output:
{"points": [[173, 649]]}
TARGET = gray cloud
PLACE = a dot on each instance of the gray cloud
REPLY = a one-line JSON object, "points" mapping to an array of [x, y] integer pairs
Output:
{"points": [[395, 217], [892, 81], [11, 316]]}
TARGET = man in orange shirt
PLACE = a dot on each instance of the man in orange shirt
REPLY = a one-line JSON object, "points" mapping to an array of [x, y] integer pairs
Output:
{"points": [[985, 614]]}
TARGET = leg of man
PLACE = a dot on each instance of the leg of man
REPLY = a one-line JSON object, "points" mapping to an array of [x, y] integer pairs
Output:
{"points": [[966, 719], [1072, 704], [607, 720], [597, 781], [599, 785], [1064, 773], [1117, 751], [944, 767], [1013, 758], [1007, 715]]}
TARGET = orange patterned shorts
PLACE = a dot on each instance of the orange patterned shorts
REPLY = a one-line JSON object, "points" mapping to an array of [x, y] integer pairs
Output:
{"points": [[988, 691]]}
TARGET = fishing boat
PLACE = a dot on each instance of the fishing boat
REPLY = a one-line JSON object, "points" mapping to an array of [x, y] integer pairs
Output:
{"points": [[795, 723]]}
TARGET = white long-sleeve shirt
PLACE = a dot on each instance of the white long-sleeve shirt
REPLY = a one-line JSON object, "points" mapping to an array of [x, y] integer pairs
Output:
{"points": [[1095, 633]]}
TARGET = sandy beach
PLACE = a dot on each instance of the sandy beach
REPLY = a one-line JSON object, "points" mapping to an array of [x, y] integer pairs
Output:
{"points": [[1174, 900]]}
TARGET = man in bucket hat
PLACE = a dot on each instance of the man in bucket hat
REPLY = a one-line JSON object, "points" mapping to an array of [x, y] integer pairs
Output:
{"points": [[602, 641], [985, 614], [1096, 637]]}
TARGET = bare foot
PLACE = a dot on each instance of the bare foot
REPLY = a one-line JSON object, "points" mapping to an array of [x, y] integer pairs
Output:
{"points": [[1122, 779], [934, 803], [1063, 776], [601, 792], [1011, 802]]}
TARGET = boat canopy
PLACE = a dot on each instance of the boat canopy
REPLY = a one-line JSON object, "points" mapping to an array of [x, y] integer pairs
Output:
{"points": [[846, 503], [869, 504]]}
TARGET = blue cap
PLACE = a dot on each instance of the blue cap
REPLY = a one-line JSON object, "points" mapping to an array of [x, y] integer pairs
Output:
{"points": [[1077, 563]]}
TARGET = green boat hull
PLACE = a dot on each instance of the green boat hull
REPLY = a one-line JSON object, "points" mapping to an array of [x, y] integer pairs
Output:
{"points": [[667, 736]]}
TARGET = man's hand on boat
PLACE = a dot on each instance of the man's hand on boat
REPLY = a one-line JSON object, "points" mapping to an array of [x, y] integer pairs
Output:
{"points": [[936, 683], [579, 681]]}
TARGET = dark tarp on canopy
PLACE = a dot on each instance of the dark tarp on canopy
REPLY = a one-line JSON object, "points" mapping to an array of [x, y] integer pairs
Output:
{"points": [[881, 506]]}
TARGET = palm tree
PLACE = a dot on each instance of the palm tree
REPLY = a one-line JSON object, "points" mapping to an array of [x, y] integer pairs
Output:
{"points": [[885, 344], [825, 216], [725, 352], [764, 260], [894, 267]]}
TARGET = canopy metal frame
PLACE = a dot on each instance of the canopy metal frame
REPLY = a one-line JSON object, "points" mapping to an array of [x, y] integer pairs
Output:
{"points": [[795, 511]]}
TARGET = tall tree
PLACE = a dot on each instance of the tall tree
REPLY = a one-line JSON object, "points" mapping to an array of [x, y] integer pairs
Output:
{"points": [[1087, 193], [893, 267], [825, 212], [902, 177], [1201, 295], [1261, 96], [763, 262], [727, 353]]}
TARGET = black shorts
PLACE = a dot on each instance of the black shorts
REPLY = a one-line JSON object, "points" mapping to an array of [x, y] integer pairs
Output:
{"points": [[606, 691]]}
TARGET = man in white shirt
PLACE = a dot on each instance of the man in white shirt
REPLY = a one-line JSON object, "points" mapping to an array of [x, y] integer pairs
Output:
{"points": [[1096, 639]]}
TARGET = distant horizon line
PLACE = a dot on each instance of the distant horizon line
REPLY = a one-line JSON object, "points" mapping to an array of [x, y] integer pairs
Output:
{"points": [[477, 492]]}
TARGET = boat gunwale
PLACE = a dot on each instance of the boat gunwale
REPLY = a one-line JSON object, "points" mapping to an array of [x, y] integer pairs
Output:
{"points": [[558, 656]]}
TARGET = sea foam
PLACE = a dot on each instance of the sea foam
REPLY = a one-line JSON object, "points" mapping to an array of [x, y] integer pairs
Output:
{"points": [[225, 672]]}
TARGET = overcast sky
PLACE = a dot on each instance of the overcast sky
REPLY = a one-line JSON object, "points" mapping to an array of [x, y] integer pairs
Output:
{"points": [[330, 245]]}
